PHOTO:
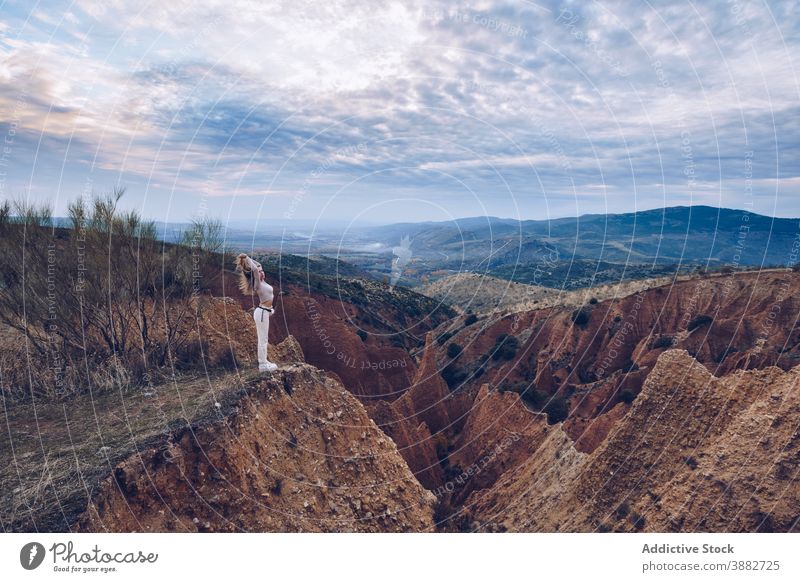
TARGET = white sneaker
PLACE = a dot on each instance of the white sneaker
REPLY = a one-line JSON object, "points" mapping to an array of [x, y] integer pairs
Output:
{"points": [[268, 367]]}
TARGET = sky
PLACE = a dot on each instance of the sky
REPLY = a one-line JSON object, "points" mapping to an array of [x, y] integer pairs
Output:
{"points": [[401, 111]]}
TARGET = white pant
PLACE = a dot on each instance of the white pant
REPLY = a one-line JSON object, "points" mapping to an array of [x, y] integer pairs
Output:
{"points": [[261, 317]]}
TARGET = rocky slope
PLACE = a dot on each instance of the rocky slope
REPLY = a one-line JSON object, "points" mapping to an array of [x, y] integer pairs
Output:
{"points": [[500, 433], [482, 430], [694, 453], [422, 420], [292, 451], [458, 420], [481, 293], [598, 356], [699, 438]]}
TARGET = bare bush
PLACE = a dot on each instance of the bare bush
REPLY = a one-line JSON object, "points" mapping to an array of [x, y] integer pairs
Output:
{"points": [[103, 303]]}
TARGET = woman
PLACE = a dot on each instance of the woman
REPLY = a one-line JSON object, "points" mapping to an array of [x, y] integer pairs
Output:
{"points": [[251, 281]]}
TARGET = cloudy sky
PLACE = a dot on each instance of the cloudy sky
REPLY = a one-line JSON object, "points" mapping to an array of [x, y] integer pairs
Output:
{"points": [[401, 110]]}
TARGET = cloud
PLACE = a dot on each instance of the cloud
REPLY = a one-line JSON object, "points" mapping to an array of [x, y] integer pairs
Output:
{"points": [[591, 106]]}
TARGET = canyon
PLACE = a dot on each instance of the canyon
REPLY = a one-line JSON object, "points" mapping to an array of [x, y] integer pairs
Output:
{"points": [[677, 411]]}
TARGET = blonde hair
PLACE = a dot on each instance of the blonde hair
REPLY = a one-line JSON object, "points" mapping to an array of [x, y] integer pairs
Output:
{"points": [[246, 275]]}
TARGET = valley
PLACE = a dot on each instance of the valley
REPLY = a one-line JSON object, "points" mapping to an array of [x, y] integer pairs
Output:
{"points": [[396, 412]]}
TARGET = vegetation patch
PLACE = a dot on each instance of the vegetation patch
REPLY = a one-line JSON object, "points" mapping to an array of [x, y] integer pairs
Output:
{"points": [[454, 350], [453, 376], [663, 342], [699, 321], [505, 347], [580, 316]]}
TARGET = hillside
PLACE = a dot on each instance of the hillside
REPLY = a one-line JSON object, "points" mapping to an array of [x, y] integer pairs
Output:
{"points": [[472, 292], [694, 453], [501, 422], [296, 452], [581, 369], [293, 451], [679, 234], [579, 252]]}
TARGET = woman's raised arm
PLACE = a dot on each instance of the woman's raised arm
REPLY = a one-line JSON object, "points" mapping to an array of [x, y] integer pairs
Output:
{"points": [[248, 262]]}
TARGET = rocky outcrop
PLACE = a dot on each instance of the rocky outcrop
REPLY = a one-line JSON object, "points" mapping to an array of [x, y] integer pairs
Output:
{"points": [[744, 473], [411, 420], [294, 451], [287, 352], [500, 433], [414, 441], [601, 355], [694, 453], [428, 397], [531, 496]]}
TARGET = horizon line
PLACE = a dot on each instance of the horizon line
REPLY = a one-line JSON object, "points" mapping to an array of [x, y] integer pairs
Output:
{"points": [[470, 217]]}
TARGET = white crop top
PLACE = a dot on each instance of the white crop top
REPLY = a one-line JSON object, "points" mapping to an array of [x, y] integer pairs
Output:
{"points": [[264, 289]]}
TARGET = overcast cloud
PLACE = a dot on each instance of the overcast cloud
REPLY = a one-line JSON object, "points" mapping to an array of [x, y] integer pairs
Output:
{"points": [[389, 111]]}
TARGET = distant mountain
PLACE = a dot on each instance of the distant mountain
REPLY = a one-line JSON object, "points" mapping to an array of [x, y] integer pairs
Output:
{"points": [[695, 234], [616, 245], [566, 253]]}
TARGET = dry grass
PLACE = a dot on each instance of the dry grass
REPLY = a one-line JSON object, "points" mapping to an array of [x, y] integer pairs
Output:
{"points": [[486, 294], [52, 455]]}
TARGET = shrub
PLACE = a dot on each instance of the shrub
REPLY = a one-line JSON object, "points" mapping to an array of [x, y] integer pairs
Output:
{"points": [[628, 366], [766, 522], [557, 409], [122, 308], [663, 342], [227, 360], [580, 316], [190, 353], [471, 318], [453, 376], [442, 339], [637, 521], [442, 513], [442, 451], [206, 234], [533, 367], [452, 472], [505, 347], [536, 398], [362, 334], [593, 300], [454, 350], [699, 321], [627, 396]]}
